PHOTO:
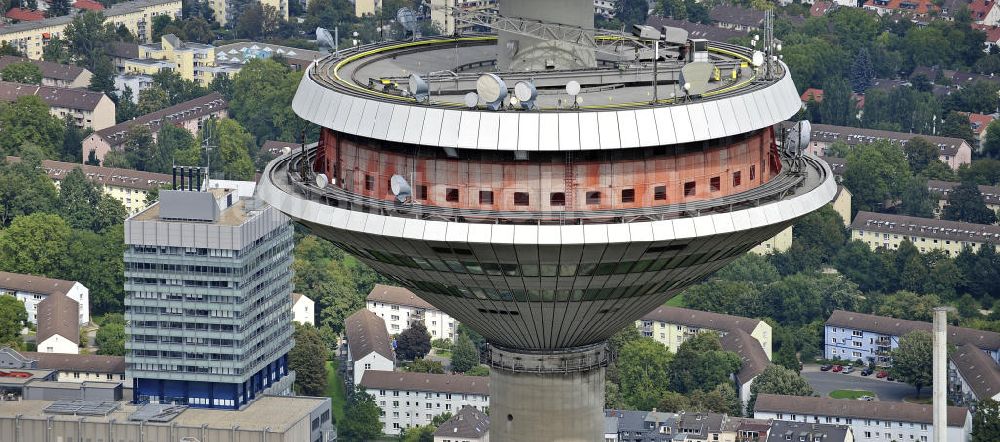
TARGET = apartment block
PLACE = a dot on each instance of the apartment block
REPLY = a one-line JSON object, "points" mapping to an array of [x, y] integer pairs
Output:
{"points": [[671, 326], [991, 195], [368, 346], [410, 399], [186, 57], [952, 151], [137, 16], [468, 425], [54, 74], [888, 231], [399, 307], [208, 298], [189, 115], [876, 421], [972, 375], [86, 108], [225, 10], [31, 290], [852, 336], [58, 329]]}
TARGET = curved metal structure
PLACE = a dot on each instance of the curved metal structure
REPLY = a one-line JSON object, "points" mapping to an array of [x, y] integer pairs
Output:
{"points": [[546, 230]]}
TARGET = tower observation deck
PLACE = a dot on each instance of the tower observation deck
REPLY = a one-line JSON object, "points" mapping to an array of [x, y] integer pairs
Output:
{"points": [[546, 226]]}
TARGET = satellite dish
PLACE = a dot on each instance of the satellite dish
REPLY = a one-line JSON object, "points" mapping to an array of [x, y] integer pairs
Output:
{"points": [[674, 36], [696, 75], [321, 180], [526, 93], [797, 139], [286, 150], [573, 88], [492, 90], [400, 188], [418, 87], [407, 19], [758, 59], [471, 100], [323, 38]]}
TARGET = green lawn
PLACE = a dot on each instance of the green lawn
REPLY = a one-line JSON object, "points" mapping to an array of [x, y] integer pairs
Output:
{"points": [[676, 301], [335, 390], [850, 394]]}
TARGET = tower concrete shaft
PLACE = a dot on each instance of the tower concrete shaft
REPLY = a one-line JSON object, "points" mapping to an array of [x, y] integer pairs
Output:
{"points": [[940, 360], [553, 396]]}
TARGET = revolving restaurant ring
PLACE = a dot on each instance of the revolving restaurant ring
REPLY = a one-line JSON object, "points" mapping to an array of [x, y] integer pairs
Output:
{"points": [[551, 227]]}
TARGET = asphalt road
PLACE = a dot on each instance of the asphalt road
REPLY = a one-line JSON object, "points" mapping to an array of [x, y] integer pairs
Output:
{"points": [[825, 382]]}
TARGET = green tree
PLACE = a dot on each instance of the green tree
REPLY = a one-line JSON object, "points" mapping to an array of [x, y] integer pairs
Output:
{"points": [[360, 417], [13, 318], [23, 72], [991, 140], [25, 188], [917, 200], [152, 99], [750, 268], [235, 145], [701, 364], [777, 380], [957, 125], [911, 361], [801, 298], [421, 365], [644, 373], [440, 419], [176, 88], [88, 37], [464, 355], [986, 421], [721, 399], [862, 71], [81, 204], [414, 342], [72, 144], [920, 153], [966, 203], [905, 305], [631, 12], [27, 121], [336, 281], [58, 8], [308, 359], [110, 339], [35, 244], [105, 281], [876, 174], [984, 171], [267, 84], [423, 433], [837, 106], [479, 370]]}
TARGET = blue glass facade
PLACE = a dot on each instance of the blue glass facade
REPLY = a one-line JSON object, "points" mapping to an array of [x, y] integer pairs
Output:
{"points": [[210, 394]]}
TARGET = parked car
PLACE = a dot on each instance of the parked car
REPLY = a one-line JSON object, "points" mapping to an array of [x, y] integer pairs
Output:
{"points": [[837, 368], [826, 367], [848, 370], [882, 374], [890, 378], [866, 398], [867, 372]]}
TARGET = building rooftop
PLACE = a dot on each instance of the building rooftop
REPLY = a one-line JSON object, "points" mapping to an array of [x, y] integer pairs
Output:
{"points": [[426, 382], [24, 15], [696, 30], [856, 135], [991, 194], [234, 215], [275, 412], [78, 362], [959, 336], [107, 176], [34, 284], [752, 356], [893, 411], [978, 369], [920, 7], [241, 52], [69, 98], [188, 110], [926, 227], [701, 319], [736, 15], [391, 294], [58, 315], [64, 72], [115, 10], [468, 423], [784, 431], [21, 376], [366, 333]]}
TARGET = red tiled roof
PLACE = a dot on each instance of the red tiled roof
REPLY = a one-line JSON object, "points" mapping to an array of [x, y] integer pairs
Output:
{"points": [[89, 5], [992, 32], [979, 121], [979, 8], [813, 94], [21, 14], [819, 8]]}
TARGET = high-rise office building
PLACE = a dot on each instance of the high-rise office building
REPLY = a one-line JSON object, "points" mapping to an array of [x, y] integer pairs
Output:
{"points": [[207, 298]]}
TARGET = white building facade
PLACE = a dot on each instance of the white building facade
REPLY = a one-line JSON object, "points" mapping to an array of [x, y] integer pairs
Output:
{"points": [[410, 399], [368, 345], [31, 290], [399, 307], [303, 309]]}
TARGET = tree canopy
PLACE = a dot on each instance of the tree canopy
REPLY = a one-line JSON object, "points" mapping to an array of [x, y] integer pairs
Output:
{"points": [[23, 72], [912, 360], [308, 359], [414, 342], [776, 379]]}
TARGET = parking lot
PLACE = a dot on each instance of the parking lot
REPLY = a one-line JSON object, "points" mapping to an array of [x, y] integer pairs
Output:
{"points": [[823, 382]]}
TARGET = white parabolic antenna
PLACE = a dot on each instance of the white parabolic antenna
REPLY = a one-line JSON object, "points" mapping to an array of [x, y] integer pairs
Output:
{"points": [[418, 87], [471, 100], [758, 58], [492, 90], [573, 88], [321, 180], [525, 93], [400, 188], [695, 76], [798, 138], [323, 38]]}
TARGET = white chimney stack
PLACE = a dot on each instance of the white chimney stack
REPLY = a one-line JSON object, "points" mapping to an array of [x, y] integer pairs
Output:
{"points": [[940, 389]]}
